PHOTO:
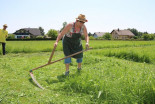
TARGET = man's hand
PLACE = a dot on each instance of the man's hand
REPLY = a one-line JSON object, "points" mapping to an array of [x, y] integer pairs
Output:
{"points": [[55, 44], [87, 45]]}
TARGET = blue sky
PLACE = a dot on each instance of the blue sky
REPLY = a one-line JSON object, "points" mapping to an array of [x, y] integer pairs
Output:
{"points": [[102, 15]]}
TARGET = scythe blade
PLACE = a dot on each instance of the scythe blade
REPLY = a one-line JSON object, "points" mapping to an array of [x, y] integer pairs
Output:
{"points": [[35, 81]]}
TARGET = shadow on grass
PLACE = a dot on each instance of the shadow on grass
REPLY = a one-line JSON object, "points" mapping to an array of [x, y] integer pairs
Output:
{"points": [[62, 78], [31, 81]]}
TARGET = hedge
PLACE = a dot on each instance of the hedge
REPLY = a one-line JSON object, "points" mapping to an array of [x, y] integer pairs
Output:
{"points": [[29, 39]]}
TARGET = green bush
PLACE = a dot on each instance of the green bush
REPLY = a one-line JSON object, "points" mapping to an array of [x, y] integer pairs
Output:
{"points": [[52, 33], [11, 36], [152, 36], [107, 36], [135, 37], [148, 36], [91, 38], [40, 37], [29, 39]]}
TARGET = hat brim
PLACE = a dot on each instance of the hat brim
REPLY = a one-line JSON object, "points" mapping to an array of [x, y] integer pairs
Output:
{"points": [[81, 20]]}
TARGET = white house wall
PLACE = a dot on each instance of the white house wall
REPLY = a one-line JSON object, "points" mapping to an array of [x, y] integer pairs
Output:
{"points": [[22, 36]]}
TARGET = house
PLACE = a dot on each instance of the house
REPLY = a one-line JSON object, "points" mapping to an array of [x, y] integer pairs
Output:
{"points": [[27, 33], [98, 34], [122, 34]]}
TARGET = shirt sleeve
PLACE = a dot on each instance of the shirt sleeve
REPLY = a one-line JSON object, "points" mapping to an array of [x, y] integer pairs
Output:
{"points": [[6, 34]]}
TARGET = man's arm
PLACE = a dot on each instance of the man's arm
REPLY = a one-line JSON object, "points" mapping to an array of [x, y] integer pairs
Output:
{"points": [[6, 35], [86, 36], [64, 31]]}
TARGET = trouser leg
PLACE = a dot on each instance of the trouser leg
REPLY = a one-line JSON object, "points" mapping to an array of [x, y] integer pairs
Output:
{"points": [[67, 62], [3, 48], [79, 61]]}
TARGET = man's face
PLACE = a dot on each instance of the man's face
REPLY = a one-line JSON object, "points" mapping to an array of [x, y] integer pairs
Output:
{"points": [[81, 23], [4, 27]]}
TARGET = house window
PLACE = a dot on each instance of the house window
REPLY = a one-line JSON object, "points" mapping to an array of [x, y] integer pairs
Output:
{"points": [[19, 37]]}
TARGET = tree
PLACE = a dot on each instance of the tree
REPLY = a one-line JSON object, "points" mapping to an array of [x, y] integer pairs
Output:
{"points": [[52, 33], [145, 32], [137, 33], [140, 34], [64, 24], [107, 36], [152, 36], [148, 36], [134, 31], [41, 31], [89, 34]]}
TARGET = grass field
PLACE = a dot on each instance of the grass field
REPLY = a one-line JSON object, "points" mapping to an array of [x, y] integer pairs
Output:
{"points": [[114, 72], [46, 46]]}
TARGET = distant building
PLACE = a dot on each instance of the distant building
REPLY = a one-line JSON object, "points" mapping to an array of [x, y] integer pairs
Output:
{"points": [[27, 33], [98, 34], [122, 34]]}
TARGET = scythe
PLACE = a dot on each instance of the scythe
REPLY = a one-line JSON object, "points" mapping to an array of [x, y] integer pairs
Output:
{"points": [[49, 62]]}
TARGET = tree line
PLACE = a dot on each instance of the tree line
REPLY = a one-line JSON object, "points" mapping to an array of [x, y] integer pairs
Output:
{"points": [[52, 33], [142, 35]]}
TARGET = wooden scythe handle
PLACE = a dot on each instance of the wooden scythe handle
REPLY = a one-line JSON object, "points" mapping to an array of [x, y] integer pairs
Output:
{"points": [[60, 59], [52, 54]]}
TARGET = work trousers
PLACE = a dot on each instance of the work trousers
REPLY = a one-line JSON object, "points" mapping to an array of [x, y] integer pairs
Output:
{"points": [[3, 48]]}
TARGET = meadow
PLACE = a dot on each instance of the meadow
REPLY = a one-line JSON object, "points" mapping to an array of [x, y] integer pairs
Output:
{"points": [[47, 46], [113, 72]]}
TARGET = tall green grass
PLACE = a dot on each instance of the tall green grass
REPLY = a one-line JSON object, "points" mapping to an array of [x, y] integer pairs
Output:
{"points": [[102, 80], [31, 46], [114, 81], [111, 74], [100, 44], [47, 46], [137, 54]]}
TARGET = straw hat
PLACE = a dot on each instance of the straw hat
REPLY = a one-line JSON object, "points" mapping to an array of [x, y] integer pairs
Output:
{"points": [[5, 25], [82, 18]]}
